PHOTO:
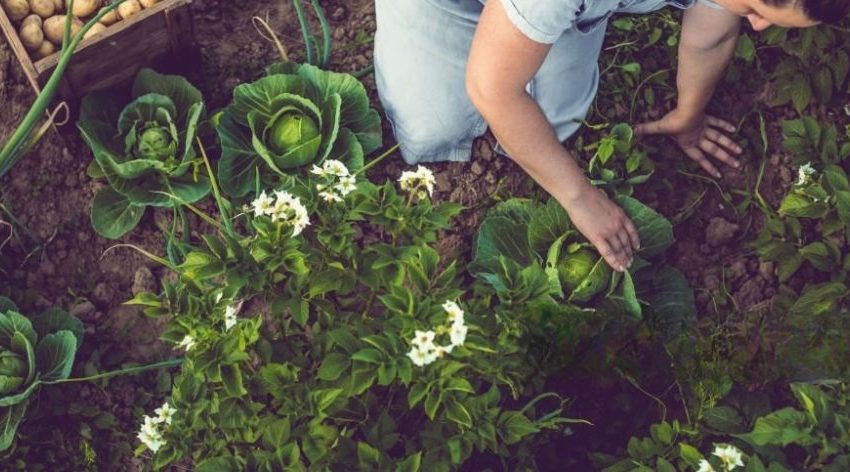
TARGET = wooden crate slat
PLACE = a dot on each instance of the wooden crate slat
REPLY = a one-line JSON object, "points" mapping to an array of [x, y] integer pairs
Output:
{"points": [[18, 48]]}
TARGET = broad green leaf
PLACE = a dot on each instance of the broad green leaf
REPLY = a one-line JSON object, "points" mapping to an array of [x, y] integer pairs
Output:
{"points": [[11, 323], [630, 296], [499, 236], [55, 355], [819, 299], [218, 464], [333, 366], [239, 165], [54, 320], [547, 224], [655, 231], [231, 376], [780, 428], [370, 355], [10, 418], [818, 254], [671, 302], [411, 463], [455, 411], [513, 426], [801, 206], [182, 93], [724, 419], [112, 214]]}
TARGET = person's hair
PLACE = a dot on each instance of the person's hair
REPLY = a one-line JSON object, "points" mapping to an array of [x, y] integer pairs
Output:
{"points": [[825, 11]]}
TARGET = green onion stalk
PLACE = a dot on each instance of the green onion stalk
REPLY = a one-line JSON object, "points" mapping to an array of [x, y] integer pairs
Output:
{"points": [[17, 145]]}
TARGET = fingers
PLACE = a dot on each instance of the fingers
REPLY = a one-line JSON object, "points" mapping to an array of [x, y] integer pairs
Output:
{"points": [[612, 251], [620, 243], [633, 234], [699, 157], [723, 140], [626, 244], [722, 124], [713, 149]]}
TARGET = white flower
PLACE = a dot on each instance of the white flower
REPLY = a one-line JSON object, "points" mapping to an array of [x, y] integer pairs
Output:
{"points": [[414, 181], [335, 168], [149, 425], [421, 357], [289, 209], [152, 441], [705, 466], [804, 174], [423, 338], [454, 311], [458, 334], [730, 455], [318, 171], [330, 197], [346, 185], [230, 317], [187, 343], [165, 413], [262, 205]]}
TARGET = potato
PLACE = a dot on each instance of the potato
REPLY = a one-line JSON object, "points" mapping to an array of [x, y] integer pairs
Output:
{"points": [[43, 8], [47, 48], [31, 33], [16, 9], [59, 5], [110, 18], [95, 29], [84, 7], [129, 8], [148, 3], [54, 28]]}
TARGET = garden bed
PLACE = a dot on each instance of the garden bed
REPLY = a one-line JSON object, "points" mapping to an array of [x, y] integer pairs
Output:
{"points": [[63, 262]]}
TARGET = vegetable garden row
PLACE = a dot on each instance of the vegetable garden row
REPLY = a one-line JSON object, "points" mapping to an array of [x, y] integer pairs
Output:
{"points": [[316, 322]]}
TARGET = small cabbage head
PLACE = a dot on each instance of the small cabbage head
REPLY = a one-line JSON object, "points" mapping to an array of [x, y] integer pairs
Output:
{"points": [[294, 135], [583, 274], [295, 117], [157, 143]]}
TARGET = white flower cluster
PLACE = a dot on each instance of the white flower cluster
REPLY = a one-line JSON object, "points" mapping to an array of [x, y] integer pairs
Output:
{"points": [[805, 174], [418, 182], [152, 428], [424, 351], [282, 206], [729, 455], [340, 184], [188, 342]]}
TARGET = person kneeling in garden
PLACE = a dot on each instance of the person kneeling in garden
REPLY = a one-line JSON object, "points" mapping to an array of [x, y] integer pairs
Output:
{"points": [[447, 68]]}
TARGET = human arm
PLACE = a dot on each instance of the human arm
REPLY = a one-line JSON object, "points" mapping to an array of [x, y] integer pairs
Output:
{"points": [[501, 62], [708, 42]]}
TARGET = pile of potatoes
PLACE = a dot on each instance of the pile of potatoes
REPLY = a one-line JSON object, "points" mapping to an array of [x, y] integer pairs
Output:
{"points": [[41, 23]]}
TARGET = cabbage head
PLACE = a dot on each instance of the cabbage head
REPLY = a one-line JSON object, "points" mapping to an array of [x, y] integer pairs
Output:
{"points": [[294, 117], [33, 351], [583, 274], [144, 146]]}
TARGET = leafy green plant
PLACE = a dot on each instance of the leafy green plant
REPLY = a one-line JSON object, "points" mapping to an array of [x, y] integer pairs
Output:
{"points": [[308, 347], [297, 115], [616, 164], [815, 65], [813, 435], [33, 351], [522, 237], [145, 150], [812, 220]]}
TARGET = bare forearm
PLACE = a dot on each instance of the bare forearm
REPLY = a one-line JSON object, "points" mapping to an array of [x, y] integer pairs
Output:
{"points": [[708, 43], [527, 136]]}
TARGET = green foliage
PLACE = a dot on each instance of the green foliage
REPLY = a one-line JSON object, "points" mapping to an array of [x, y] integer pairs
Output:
{"points": [[294, 116], [320, 369], [616, 164], [32, 351], [813, 435], [145, 149], [811, 226], [525, 250]]}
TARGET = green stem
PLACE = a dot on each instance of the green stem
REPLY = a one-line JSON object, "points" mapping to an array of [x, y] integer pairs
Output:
{"points": [[129, 370], [363, 72], [11, 151], [222, 208], [305, 30], [376, 160], [326, 34]]}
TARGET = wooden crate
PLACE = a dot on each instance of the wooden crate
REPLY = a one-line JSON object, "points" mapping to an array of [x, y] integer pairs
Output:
{"points": [[114, 55]]}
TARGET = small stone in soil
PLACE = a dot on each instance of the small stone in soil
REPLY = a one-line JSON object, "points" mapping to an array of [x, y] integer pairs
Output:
{"points": [[143, 281], [719, 231]]}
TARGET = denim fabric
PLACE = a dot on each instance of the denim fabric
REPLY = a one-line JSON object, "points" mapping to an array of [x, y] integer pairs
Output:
{"points": [[421, 50]]}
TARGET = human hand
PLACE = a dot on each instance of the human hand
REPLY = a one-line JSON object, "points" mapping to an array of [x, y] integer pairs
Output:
{"points": [[699, 136], [605, 225]]}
